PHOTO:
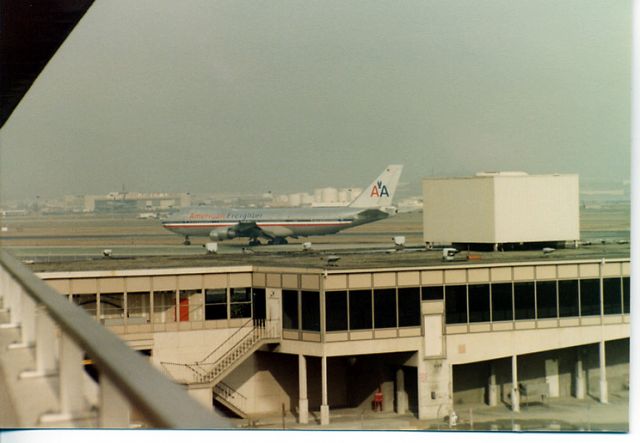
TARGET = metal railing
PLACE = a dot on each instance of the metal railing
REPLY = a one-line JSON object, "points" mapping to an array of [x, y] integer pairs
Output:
{"points": [[62, 334], [209, 369], [231, 396]]}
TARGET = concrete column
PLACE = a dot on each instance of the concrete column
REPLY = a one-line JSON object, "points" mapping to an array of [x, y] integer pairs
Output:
{"points": [[71, 395], [387, 395], [604, 392], [303, 401], [515, 392], [492, 393], [402, 399], [324, 407], [552, 377], [580, 381], [435, 390]]}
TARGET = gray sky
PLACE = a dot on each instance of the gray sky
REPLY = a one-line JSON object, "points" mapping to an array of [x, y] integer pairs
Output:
{"points": [[222, 96]]}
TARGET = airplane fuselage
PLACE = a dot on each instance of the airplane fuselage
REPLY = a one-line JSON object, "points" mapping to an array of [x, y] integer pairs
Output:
{"points": [[274, 222]]}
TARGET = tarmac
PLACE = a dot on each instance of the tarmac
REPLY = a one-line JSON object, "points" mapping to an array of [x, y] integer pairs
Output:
{"points": [[555, 415]]}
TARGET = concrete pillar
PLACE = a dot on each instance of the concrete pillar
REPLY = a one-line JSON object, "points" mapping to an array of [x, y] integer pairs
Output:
{"points": [[552, 377], [303, 401], [515, 392], [435, 390], [202, 393], [604, 392], [492, 392], [324, 407], [387, 395], [580, 381], [402, 399]]}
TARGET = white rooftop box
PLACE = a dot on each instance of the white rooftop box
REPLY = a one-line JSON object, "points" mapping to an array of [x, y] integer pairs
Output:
{"points": [[501, 207]]}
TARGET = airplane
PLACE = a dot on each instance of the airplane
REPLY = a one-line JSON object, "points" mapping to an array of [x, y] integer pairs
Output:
{"points": [[276, 224]]}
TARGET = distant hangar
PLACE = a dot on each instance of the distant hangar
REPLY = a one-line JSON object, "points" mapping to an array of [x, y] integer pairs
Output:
{"points": [[502, 210]]}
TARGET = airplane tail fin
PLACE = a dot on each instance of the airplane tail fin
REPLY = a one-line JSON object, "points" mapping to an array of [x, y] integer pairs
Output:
{"points": [[380, 193]]}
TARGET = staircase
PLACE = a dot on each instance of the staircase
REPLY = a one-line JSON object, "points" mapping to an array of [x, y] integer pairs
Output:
{"points": [[230, 398], [226, 357]]}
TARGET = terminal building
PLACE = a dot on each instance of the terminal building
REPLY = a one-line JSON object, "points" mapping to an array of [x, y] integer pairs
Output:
{"points": [[247, 334]]}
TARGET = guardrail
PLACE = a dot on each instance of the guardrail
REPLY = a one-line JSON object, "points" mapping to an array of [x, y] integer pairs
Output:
{"points": [[126, 380]]}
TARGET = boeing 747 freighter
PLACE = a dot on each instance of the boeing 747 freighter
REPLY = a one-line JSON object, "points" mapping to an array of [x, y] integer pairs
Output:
{"points": [[276, 224]]}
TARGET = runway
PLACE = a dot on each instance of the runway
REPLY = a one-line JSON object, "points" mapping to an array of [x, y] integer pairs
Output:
{"points": [[70, 237]]}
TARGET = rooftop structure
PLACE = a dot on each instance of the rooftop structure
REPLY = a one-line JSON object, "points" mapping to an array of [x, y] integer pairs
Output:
{"points": [[501, 209]]}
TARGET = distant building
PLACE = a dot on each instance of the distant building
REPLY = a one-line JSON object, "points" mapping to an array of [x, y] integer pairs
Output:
{"points": [[135, 202], [502, 209]]}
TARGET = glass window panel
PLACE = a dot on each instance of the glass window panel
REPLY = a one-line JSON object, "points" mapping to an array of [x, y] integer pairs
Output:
{"points": [[479, 303], [336, 302], [409, 306], [612, 296], [456, 304], [310, 310], [384, 308], [289, 309], [524, 300], [626, 290], [568, 298], [590, 297], [432, 292], [360, 309], [215, 304], [138, 307], [502, 301], [240, 310], [240, 294], [547, 302]]}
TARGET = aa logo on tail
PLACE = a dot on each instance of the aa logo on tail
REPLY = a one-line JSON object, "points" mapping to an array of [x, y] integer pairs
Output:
{"points": [[379, 190]]}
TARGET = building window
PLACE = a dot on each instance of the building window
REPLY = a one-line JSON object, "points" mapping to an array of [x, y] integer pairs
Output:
{"points": [[164, 306], [87, 301], [259, 301], [479, 306], [590, 297], [612, 296], [524, 300], [138, 307], [360, 310], [190, 304], [432, 292], [240, 306], [310, 310], [408, 307], [568, 298], [336, 304], [502, 301], [384, 308], [456, 304], [626, 290], [289, 309], [215, 304], [547, 300]]}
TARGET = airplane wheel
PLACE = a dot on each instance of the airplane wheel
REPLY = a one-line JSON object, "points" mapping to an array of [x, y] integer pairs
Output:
{"points": [[186, 242], [280, 241], [254, 242]]}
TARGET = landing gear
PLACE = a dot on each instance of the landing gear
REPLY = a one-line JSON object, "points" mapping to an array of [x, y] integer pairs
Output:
{"points": [[186, 241], [254, 242], [278, 241]]}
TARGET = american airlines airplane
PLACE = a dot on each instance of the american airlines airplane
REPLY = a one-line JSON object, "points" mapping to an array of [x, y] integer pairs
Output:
{"points": [[276, 224]]}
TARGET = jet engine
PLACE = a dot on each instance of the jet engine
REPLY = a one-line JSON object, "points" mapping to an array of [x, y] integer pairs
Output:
{"points": [[223, 234]]}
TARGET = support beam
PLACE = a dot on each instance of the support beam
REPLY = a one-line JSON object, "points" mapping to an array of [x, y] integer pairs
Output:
{"points": [[580, 381], [492, 392], [604, 391], [324, 407], [402, 399], [303, 401], [515, 392]]}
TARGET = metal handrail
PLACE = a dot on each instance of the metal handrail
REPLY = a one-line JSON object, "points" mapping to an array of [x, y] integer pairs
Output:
{"points": [[161, 401], [228, 339]]}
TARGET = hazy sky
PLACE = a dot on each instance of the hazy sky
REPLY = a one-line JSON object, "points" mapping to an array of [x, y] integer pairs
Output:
{"points": [[222, 96]]}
